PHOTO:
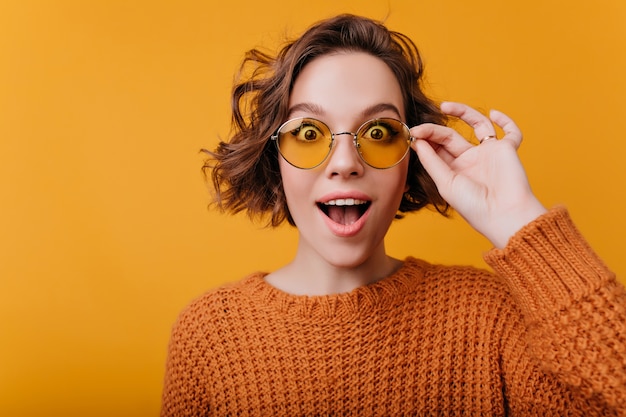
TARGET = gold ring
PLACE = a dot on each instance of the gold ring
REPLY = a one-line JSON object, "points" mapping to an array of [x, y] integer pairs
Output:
{"points": [[489, 137]]}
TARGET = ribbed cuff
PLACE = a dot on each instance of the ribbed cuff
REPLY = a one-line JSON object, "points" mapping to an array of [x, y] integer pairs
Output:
{"points": [[549, 265]]}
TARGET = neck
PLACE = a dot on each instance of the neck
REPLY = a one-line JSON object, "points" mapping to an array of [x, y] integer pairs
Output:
{"points": [[311, 274]]}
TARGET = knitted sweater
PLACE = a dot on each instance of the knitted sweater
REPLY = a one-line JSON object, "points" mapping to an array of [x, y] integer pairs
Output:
{"points": [[543, 336]]}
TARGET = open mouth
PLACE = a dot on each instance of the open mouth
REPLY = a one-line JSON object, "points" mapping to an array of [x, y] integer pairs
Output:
{"points": [[344, 211]]}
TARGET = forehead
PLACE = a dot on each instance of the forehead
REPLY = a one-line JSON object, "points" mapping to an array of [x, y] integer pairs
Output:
{"points": [[345, 84]]}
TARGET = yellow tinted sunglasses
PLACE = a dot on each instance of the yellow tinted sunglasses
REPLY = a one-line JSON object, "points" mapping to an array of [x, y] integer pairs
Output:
{"points": [[305, 142]]}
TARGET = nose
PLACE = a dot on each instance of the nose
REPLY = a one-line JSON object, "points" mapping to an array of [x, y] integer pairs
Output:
{"points": [[344, 160]]}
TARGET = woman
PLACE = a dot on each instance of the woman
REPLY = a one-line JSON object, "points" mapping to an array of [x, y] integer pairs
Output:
{"points": [[327, 137]]}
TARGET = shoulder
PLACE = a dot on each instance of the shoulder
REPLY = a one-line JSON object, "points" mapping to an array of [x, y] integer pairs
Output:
{"points": [[213, 308], [453, 275], [460, 284], [462, 300]]}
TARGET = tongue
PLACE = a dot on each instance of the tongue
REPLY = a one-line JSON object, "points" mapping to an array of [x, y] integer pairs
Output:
{"points": [[344, 214]]}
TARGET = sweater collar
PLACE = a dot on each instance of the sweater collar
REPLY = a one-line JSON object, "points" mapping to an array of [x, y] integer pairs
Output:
{"points": [[381, 295]]}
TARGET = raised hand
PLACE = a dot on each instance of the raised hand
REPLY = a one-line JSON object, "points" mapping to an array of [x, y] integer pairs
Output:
{"points": [[485, 183]]}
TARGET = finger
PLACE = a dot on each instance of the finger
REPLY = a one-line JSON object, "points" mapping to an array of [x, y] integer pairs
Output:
{"points": [[511, 131], [443, 136], [481, 124]]}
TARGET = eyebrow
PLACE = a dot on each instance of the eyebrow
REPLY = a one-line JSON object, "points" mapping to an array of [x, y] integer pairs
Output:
{"points": [[366, 114], [380, 108], [307, 108]]}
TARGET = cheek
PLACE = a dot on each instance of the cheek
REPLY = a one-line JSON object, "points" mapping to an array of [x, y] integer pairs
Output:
{"points": [[294, 183], [399, 183], [403, 180]]}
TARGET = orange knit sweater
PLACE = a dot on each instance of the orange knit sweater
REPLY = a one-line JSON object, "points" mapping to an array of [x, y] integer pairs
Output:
{"points": [[543, 336]]}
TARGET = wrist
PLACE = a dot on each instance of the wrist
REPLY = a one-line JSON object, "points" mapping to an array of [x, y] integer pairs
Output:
{"points": [[509, 223]]}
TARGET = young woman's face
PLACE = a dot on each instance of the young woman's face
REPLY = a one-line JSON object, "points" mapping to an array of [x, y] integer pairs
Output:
{"points": [[344, 207]]}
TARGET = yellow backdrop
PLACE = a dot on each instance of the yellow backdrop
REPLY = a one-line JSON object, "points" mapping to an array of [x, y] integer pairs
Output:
{"points": [[104, 230]]}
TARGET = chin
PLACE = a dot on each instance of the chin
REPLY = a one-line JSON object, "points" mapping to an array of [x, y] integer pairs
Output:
{"points": [[345, 258]]}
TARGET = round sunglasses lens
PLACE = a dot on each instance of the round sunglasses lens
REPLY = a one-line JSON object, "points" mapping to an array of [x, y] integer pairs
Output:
{"points": [[304, 143], [383, 142]]}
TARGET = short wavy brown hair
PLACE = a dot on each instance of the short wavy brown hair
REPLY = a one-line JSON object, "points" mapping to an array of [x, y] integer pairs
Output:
{"points": [[244, 170]]}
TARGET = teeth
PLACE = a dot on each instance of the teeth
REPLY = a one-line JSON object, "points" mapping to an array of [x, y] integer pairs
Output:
{"points": [[345, 202]]}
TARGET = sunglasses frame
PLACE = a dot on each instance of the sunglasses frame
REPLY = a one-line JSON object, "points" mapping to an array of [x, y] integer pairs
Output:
{"points": [[355, 140]]}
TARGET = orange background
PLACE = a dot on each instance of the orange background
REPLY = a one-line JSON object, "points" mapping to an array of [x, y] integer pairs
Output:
{"points": [[104, 230]]}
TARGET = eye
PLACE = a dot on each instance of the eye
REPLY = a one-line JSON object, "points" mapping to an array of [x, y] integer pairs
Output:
{"points": [[379, 131], [307, 132]]}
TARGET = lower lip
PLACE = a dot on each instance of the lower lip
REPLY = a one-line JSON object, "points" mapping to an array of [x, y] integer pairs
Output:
{"points": [[345, 230]]}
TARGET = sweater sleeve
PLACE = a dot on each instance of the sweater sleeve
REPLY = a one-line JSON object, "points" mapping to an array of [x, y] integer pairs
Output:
{"points": [[574, 310]]}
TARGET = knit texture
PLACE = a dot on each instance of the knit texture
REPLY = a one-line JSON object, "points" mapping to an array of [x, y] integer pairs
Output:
{"points": [[543, 336]]}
